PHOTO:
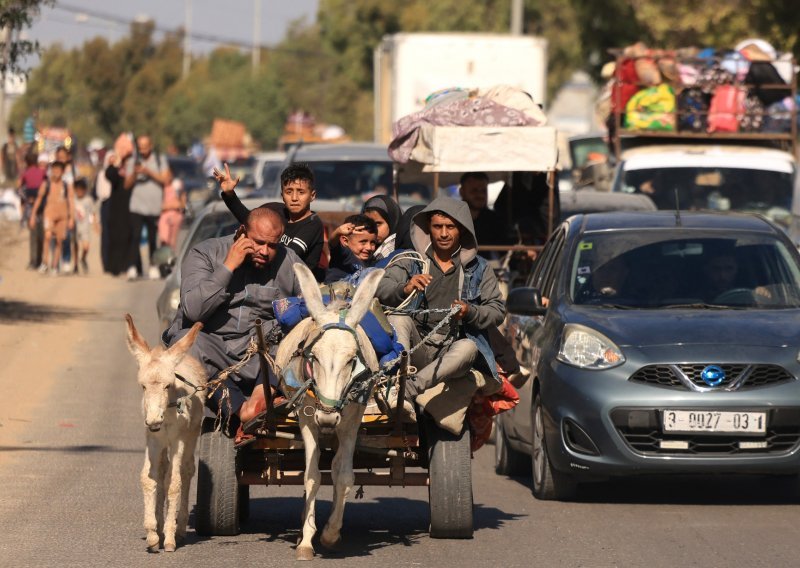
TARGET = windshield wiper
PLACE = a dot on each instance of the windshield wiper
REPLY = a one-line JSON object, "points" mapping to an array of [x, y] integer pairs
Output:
{"points": [[617, 306], [700, 306]]}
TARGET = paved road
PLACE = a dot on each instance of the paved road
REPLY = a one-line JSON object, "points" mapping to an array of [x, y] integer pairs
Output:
{"points": [[69, 495]]}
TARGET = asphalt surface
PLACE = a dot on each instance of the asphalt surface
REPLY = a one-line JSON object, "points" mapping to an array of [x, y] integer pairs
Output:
{"points": [[70, 496]]}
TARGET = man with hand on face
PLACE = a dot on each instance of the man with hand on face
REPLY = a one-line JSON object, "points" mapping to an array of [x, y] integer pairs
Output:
{"points": [[443, 232], [228, 283]]}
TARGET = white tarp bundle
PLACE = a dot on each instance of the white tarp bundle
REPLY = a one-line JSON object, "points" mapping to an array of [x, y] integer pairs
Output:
{"points": [[481, 148]]}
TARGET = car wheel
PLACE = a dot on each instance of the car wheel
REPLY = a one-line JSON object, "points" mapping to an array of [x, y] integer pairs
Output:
{"points": [[507, 460], [548, 484]]}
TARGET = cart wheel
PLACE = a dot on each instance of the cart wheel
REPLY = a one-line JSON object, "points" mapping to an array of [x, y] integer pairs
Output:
{"points": [[218, 501], [507, 460], [450, 487], [548, 484]]}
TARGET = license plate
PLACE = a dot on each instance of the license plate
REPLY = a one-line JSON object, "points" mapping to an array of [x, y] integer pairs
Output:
{"points": [[714, 421]]}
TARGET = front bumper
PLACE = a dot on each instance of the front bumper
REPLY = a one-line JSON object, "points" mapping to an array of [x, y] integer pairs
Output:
{"points": [[599, 423]]}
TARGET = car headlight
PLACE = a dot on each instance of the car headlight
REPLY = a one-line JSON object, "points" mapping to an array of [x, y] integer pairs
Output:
{"points": [[588, 349], [175, 299]]}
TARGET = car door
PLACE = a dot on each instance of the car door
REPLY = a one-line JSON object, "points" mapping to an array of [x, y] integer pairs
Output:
{"points": [[526, 328]]}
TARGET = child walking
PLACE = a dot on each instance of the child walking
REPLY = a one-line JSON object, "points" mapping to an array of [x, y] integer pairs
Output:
{"points": [[84, 220], [59, 215]]}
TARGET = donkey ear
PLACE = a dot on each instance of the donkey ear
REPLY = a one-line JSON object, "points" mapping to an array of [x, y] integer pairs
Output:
{"points": [[136, 343], [362, 299], [311, 292], [177, 351]]}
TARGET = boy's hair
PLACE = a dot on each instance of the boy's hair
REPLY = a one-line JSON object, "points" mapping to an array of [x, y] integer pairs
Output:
{"points": [[360, 220], [473, 175], [297, 171], [81, 183], [57, 164]]}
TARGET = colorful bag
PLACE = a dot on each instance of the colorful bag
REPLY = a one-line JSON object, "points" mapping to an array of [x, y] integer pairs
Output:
{"points": [[651, 109], [692, 110], [726, 109]]}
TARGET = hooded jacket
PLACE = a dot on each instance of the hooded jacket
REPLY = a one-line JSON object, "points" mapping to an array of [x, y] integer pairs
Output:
{"points": [[390, 211], [471, 280]]}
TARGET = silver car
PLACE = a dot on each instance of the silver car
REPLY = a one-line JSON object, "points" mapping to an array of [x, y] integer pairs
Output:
{"points": [[657, 342]]}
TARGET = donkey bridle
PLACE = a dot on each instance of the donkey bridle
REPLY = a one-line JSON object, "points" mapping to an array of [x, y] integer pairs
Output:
{"points": [[350, 392]]}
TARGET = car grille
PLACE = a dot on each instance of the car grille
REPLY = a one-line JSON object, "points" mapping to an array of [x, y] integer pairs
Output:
{"points": [[687, 376], [642, 432]]}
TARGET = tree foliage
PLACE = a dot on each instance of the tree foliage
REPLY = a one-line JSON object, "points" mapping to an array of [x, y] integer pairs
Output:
{"points": [[325, 66], [15, 16]]}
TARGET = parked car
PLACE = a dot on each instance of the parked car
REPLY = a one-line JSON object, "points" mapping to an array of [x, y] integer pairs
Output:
{"points": [[213, 221], [267, 170], [657, 343]]}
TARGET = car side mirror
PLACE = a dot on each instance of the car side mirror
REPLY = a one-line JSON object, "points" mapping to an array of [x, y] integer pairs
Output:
{"points": [[525, 302]]}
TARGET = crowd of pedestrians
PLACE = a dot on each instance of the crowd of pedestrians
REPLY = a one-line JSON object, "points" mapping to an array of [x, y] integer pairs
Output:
{"points": [[132, 194]]}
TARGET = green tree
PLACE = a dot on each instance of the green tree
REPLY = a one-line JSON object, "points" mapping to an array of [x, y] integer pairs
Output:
{"points": [[15, 16]]}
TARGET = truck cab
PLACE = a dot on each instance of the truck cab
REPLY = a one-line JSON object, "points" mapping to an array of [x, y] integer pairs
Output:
{"points": [[718, 177]]}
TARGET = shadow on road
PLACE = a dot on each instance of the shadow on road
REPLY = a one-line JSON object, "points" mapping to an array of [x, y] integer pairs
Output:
{"points": [[690, 490], [72, 449], [13, 311], [368, 526]]}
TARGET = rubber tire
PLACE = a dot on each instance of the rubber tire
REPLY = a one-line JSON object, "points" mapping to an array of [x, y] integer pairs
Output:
{"points": [[547, 484], [450, 486], [507, 460], [217, 510]]}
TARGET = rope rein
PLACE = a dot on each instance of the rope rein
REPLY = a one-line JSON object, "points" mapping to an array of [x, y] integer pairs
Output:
{"points": [[375, 379]]}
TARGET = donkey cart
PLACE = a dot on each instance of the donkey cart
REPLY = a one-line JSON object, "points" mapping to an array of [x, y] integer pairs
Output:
{"points": [[272, 450], [388, 453]]}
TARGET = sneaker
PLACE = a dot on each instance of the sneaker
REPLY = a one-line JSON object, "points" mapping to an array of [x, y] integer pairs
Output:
{"points": [[132, 273], [408, 412], [43, 268], [85, 266], [153, 273]]}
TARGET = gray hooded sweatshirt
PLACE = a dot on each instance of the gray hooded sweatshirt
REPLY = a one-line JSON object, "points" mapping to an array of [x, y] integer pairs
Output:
{"points": [[486, 304]]}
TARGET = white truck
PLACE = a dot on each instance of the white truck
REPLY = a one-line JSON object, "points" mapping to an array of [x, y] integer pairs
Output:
{"points": [[752, 171], [411, 66]]}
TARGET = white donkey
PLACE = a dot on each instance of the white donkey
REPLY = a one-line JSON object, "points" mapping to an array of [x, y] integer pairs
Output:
{"points": [[174, 387], [333, 348]]}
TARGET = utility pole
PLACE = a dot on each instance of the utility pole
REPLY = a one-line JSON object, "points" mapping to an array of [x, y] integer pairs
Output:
{"points": [[187, 53], [256, 50], [517, 11]]}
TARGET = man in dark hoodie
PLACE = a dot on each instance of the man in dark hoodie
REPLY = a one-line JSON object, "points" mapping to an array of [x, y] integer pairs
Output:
{"points": [[444, 234]]}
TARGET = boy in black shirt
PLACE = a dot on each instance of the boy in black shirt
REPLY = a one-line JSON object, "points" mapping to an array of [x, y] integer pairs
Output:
{"points": [[304, 231], [352, 246]]}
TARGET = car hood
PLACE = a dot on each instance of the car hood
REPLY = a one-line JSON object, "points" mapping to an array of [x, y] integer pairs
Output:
{"points": [[647, 328]]}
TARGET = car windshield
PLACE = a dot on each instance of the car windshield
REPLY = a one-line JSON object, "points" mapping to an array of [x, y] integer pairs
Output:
{"points": [[210, 226], [358, 180], [684, 269], [736, 189]]}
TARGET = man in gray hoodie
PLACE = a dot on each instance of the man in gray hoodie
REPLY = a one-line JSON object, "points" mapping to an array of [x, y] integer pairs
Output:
{"points": [[443, 232], [228, 283]]}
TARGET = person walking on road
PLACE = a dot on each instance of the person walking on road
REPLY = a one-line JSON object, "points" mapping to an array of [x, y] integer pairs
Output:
{"points": [[146, 177], [59, 215], [119, 232]]}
